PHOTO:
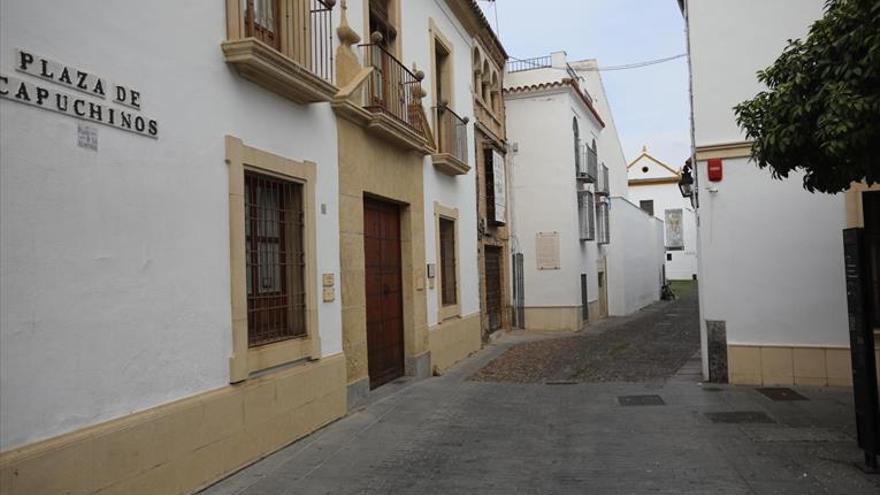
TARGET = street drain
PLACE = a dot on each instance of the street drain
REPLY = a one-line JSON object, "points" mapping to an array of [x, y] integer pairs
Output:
{"points": [[561, 382], [780, 394], [738, 417], [712, 389], [640, 400]]}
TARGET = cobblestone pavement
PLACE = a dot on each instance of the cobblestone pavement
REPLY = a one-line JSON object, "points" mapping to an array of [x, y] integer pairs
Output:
{"points": [[652, 344], [456, 435]]}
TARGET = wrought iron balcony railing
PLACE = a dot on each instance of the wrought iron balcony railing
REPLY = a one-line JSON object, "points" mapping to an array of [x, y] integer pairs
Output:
{"points": [[319, 57], [517, 65], [392, 89], [452, 133]]}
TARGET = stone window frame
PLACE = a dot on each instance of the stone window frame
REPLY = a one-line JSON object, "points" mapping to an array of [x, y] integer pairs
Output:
{"points": [[452, 310], [436, 37], [394, 18], [246, 361]]}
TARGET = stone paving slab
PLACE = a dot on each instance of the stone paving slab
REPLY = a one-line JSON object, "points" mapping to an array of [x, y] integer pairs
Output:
{"points": [[453, 435]]}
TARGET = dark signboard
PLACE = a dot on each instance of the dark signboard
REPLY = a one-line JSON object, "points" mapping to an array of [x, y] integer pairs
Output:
{"points": [[861, 336]]}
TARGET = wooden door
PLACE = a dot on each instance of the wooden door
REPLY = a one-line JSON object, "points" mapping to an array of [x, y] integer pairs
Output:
{"points": [[384, 291], [603, 295], [494, 306]]}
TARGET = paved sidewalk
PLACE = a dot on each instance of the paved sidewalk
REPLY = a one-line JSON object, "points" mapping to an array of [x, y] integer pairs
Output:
{"points": [[455, 435]]}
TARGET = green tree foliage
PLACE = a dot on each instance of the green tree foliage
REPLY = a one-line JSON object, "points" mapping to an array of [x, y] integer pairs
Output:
{"points": [[821, 109]]}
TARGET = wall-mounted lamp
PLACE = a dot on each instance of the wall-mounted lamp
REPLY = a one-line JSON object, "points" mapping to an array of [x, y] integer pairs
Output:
{"points": [[686, 183]]}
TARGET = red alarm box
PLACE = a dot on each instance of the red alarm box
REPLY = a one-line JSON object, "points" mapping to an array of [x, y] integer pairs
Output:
{"points": [[715, 169]]}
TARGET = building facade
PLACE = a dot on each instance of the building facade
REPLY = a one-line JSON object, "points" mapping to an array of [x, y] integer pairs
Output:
{"points": [[234, 230], [653, 185], [561, 135], [780, 317], [490, 145]]}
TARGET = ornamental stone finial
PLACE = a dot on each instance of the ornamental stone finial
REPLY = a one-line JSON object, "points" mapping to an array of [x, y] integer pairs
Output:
{"points": [[347, 36]]}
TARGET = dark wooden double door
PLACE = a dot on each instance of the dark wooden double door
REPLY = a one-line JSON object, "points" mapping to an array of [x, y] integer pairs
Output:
{"points": [[384, 291]]}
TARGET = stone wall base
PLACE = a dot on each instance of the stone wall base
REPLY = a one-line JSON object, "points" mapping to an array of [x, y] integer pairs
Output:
{"points": [[789, 365], [453, 340], [184, 445], [563, 318]]}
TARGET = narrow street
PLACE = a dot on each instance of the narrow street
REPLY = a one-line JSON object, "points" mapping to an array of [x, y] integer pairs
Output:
{"points": [[614, 409]]}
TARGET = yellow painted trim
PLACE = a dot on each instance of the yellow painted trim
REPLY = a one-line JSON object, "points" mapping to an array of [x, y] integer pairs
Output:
{"points": [[451, 310], [779, 364], [369, 167], [653, 181], [185, 445], [855, 216], [394, 14], [738, 149], [246, 361], [645, 154], [436, 37]]}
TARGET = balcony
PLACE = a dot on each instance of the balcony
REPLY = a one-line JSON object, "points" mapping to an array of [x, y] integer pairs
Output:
{"points": [[451, 135], [286, 47], [587, 165], [393, 93]]}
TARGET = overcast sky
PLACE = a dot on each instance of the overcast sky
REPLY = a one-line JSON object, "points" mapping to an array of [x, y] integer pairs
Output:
{"points": [[650, 104]]}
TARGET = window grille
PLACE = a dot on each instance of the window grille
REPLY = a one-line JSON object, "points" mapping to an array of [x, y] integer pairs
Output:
{"points": [[275, 259], [587, 215], [602, 223]]}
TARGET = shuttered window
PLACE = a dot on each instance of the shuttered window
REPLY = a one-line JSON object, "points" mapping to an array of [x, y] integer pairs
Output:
{"points": [[587, 215], [447, 262], [275, 259]]}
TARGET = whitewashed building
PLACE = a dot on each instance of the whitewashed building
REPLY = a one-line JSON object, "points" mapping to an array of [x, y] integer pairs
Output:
{"points": [[223, 224], [563, 194], [653, 185], [773, 303]]}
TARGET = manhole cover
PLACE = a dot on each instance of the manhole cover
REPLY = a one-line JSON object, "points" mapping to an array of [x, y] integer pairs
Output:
{"points": [[781, 393], [737, 417], [640, 400]]}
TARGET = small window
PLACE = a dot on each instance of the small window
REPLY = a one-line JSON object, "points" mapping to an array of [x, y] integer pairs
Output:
{"points": [[275, 261], [262, 21], [647, 205], [448, 281], [668, 256]]}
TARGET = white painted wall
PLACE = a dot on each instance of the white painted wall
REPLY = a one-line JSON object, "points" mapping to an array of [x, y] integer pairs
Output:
{"points": [[546, 199], [771, 258], [683, 265], [729, 43], [635, 265], [114, 267], [610, 151], [451, 192]]}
